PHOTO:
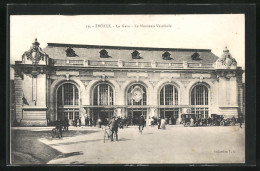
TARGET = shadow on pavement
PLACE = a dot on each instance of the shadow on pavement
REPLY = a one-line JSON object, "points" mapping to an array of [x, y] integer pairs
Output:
{"points": [[70, 133], [124, 139], [65, 155], [27, 149]]}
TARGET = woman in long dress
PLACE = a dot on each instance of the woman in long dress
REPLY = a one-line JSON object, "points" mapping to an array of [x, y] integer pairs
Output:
{"points": [[163, 123]]}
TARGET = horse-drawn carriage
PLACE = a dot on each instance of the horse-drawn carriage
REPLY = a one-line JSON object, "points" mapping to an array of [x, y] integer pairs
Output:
{"points": [[191, 119]]}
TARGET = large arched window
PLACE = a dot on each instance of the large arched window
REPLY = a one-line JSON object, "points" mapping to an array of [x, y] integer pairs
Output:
{"points": [[136, 95], [103, 95], [169, 95], [199, 98], [68, 102]]}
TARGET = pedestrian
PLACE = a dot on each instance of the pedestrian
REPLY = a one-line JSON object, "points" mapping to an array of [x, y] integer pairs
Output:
{"points": [[66, 124], [76, 122], [141, 123], [86, 121], [170, 121], [90, 122], [163, 123], [114, 127], [59, 127], [191, 122], [80, 122], [233, 121], [159, 123], [95, 122], [99, 122], [240, 120]]}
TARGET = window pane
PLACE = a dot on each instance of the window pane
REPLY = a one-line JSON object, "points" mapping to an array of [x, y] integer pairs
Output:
{"points": [[169, 95], [76, 96], [68, 94], [59, 96], [103, 95], [199, 95]]}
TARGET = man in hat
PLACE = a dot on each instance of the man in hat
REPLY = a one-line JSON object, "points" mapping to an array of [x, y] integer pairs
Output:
{"points": [[141, 123], [114, 127], [159, 123]]}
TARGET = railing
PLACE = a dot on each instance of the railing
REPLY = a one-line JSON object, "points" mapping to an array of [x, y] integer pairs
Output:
{"points": [[95, 63]]}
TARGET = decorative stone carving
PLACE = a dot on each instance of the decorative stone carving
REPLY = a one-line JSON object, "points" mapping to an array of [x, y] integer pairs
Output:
{"points": [[35, 53], [226, 60], [201, 78], [153, 83], [86, 83], [137, 94], [185, 83], [67, 76], [120, 83], [103, 77], [226, 74], [137, 78]]}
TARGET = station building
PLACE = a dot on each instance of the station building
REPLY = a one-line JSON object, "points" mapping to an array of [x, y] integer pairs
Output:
{"points": [[78, 81]]}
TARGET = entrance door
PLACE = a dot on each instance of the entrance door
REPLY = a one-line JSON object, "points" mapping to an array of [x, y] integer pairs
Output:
{"points": [[170, 115], [135, 113], [104, 114], [136, 116]]}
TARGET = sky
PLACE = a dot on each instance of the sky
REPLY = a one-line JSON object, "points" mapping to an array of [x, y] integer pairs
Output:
{"points": [[186, 31]]}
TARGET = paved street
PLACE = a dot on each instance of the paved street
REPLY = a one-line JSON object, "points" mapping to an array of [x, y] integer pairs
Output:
{"points": [[176, 144]]}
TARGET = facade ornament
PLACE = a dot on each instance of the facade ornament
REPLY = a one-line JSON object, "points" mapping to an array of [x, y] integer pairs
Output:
{"points": [[137, 93], [120, 83], [103, 77], [201, 78], [137, 78], [170, 79], [35, 53], [67, 76], [86, 83], [226, 75], [185, 83], [226, 59], [153, 64], [154, 83]]}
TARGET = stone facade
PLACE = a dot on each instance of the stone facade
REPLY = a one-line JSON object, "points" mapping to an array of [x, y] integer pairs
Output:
{"points": [[38, 79]]}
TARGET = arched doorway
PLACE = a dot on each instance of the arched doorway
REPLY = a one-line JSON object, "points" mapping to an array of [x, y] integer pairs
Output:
{"points": [[136, 102], [68, 102], [200, 100], [169, 100], [103, 101]]}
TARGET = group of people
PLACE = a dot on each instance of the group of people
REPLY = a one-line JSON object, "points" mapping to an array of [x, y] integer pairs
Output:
{"points": [[209, 121]]}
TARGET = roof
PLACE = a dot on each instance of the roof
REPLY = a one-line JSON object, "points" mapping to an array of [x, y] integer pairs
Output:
{"points": [[91, 52]]}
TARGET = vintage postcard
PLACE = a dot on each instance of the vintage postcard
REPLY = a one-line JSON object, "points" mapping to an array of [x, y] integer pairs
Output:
{"points": [[127, 89]]}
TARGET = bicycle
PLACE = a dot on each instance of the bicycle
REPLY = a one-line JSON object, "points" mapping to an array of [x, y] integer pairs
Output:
{"points": [[108, 133]]}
